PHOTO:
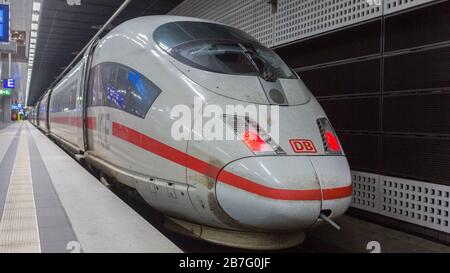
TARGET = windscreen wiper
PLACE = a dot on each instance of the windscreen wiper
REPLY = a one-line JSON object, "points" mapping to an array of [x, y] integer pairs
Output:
{"points": [[266, 72]]}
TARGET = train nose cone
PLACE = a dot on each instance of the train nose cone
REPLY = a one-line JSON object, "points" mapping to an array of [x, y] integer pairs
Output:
{"points": [[276, 193]]}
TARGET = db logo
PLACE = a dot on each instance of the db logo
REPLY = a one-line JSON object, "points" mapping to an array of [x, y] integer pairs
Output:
{"points": [[303, 146]]}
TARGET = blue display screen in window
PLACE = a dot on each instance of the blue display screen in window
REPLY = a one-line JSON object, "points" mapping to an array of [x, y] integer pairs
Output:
{"points": [[4, 23]]}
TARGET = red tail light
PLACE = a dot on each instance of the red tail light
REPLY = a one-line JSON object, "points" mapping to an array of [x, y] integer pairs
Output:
{"points": [[254, 137], [255, 142], [330, 140]]}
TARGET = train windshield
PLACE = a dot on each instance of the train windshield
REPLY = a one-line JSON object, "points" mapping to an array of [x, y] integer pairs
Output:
{"points": [[221, 49]]}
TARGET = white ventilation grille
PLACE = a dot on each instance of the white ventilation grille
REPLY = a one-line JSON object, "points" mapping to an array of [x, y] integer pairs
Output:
{"points": [[297, 19], [207, 9], [391, 6], [255, 18], [408, 200], [365, 191], [421, 203]]}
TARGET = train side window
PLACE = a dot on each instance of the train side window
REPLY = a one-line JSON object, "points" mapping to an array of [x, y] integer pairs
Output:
{"points": [[118, 87], [68, 97], [95, 94], [142, 94], [91, 94], [121, 87], [73, 95]]}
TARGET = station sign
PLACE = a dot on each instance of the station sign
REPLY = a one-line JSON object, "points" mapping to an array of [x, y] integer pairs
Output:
{"points": [[9, 83], [4, 23], [17, 106], [5, 92]]}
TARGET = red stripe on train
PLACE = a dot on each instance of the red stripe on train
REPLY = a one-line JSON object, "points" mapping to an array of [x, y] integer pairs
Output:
{"points": [[154, 146], [91, 123], [75, 121]]}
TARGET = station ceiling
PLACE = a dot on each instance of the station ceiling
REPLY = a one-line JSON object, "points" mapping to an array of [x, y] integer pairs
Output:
{"points": [[65, 29]]}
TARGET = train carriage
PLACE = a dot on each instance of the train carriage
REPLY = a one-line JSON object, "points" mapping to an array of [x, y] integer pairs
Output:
{"points": [[114, 109]]}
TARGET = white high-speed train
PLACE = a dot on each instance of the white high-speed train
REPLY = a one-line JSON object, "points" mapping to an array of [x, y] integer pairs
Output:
{"points": [[113, 110]]}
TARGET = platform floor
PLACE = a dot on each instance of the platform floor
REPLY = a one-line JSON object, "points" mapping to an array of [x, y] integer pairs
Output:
{"points": [[360, 236], [50, 203]]}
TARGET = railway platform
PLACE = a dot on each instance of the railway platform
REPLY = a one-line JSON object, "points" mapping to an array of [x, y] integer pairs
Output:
{"points": [[50, 203]]}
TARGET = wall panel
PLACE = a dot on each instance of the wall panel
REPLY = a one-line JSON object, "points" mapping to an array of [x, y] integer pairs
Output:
{"points": [[427, 113], [391, 6], [356, 114], [361, 150], [418, 158], [297, 19], [418, 70], [360, 77], [255, 18], [358, 41], [424, 26]]}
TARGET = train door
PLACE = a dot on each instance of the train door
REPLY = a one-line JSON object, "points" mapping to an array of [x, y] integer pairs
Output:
{"points": [[36, 119], [79, 108], [100, 111], [87, 122], [43, 124]]}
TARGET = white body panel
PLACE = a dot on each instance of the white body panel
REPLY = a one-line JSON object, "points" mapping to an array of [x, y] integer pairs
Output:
{"points": [[280, 172], [333, 172]]}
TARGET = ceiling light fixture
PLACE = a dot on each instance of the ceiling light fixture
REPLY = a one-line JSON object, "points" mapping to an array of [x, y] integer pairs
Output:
{"points": [[33, 40]]}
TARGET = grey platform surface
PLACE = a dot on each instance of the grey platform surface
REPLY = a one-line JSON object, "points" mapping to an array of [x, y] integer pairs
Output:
{"points": [[73, 209]]}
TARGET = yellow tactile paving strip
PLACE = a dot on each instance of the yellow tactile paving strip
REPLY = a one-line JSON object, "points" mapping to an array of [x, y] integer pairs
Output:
{"points": [[18, 226]]}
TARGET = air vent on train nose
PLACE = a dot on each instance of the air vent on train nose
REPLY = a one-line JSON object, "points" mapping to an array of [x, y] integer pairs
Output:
{"points": [[329, 137]]}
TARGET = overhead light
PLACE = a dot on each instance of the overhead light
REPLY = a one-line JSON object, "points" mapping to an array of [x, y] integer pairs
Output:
{"points": [[36, 6], [33, 40]]}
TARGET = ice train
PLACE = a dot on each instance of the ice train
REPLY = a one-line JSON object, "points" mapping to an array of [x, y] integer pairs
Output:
{"points": [[113, 111]]}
